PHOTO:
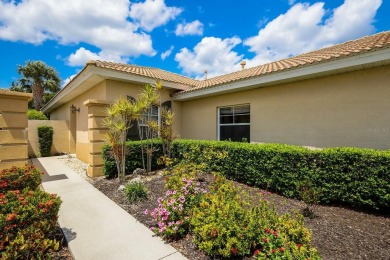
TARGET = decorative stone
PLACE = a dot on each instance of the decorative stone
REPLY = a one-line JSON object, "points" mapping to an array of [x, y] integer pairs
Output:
{"points": [[136, 179], [121, 188], [139, 171]]}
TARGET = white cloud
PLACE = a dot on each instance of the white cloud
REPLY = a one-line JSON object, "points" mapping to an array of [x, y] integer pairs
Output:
{"points": [[101, 23], [167, 53], [192, 28], [82, 56], [291, 2], [67, 80], [304, 28], [153, 13], [212, 54]]}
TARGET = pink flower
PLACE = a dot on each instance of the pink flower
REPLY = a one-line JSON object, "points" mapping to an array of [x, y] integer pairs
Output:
{"points": [[146, 212]]}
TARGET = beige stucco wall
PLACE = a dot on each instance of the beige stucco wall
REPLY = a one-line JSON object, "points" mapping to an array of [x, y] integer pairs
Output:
{"points": [[60, 136], [78, 121], [13, 128], [350, 109], [108, 90]]}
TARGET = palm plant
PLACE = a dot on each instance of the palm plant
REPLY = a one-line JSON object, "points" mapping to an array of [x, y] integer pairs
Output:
{"points": [[36, 78], [149, 97], [118, 119]]}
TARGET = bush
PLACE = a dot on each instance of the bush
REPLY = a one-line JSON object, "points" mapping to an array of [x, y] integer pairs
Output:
{"points": [[136, 191], [26, 219], [45, 140], [134, 160], [355, 177], [33, 114], [225, 225], [20, 178]]}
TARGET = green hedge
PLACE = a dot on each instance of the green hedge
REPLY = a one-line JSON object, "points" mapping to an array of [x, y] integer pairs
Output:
{"points": [[45, 139], [359, 178]]}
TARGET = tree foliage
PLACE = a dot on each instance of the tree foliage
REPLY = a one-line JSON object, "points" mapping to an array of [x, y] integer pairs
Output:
{"points": [[38, 78]]}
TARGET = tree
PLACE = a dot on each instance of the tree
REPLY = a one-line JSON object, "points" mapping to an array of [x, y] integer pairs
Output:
{"points": [[118, 120], [36, 78]]}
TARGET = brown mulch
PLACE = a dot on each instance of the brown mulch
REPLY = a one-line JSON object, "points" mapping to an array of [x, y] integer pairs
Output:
{"points": [[337, 233], [63, 253]]}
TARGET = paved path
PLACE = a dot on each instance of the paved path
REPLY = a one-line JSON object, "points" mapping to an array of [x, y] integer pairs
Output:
{"points": [[95, 227]]}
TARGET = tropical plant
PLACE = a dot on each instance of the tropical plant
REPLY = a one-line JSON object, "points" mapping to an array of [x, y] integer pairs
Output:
{"points": [[148, 125], [118, 119], [36, 78]]}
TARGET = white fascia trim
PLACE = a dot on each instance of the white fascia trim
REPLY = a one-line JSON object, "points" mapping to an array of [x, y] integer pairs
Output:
{"points": [[291, 75], [118, 75], [75, 82]]}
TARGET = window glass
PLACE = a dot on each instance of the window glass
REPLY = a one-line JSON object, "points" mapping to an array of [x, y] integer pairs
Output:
{"points": [[234, 123]]}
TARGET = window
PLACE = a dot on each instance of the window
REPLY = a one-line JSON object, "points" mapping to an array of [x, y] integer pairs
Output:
{"points": [[234, 123], [151, 115], [136, 126]]}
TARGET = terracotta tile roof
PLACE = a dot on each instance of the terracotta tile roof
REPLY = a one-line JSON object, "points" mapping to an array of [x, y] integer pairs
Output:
{"points": [[149, 72], [339, 51]]}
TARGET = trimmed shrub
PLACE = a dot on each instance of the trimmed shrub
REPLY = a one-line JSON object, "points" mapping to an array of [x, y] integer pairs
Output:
{"points": [[134, 160], [16, 178], [356, 177], [26, 219], [45, 139], [135, 191], [33, 114]]}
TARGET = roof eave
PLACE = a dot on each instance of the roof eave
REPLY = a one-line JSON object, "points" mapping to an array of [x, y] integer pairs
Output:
{"points": [[97, 74], [359, 61]]}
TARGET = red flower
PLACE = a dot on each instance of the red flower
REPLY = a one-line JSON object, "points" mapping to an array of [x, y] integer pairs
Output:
{"points": [[256, 252], [265, 240], [299, 245], [281, 249], [267, 230], [273, 251], [234, 250], [11, 217], [275, 233]]}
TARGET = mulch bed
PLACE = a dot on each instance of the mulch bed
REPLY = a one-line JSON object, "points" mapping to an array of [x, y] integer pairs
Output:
{"points": [[337, 233], [63, 253]]}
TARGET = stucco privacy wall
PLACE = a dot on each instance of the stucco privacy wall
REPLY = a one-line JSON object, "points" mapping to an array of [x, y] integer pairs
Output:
{"points": [[13, 128], [60, 136], [349, 109], [78, 121]]}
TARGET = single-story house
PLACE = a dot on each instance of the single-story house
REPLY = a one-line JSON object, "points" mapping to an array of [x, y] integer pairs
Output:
{"points": [[333, 97]]}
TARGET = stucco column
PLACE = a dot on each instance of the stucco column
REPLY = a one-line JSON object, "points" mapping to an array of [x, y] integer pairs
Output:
{"points": [[13, 128], [96, 134]]}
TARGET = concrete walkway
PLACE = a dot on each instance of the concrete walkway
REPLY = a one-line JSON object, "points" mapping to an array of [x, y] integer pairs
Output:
{"points": [[95, 227]]}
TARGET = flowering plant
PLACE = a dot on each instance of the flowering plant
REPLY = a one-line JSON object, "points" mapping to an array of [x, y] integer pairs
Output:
{"points": [[173, 211], [26, 219], [16, 178]]}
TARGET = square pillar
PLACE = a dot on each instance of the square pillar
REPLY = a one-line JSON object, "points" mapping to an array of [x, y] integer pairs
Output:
{"points": [[96, 135], [13, 128]]}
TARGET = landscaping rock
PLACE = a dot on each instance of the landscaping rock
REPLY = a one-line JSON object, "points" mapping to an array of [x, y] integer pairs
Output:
{"points": [[121, 188], [139, 171]]}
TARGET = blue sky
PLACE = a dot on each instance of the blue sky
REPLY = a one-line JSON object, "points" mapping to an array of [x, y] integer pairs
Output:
{"points": [[181, 36]]}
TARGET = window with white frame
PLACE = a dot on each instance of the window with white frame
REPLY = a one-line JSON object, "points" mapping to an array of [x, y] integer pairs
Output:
{"points": [[152, 114], [234, 123]]}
